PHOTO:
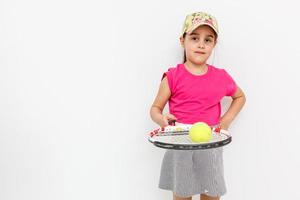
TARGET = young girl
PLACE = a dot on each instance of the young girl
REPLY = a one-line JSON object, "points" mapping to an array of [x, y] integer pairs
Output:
{"points": [[194, 90]]}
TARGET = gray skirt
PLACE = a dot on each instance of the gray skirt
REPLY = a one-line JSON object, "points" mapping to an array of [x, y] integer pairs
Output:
{"points": [[191, 172]]}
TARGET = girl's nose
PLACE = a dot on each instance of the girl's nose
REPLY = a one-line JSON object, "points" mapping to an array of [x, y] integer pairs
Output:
{"points": [[201, 45]]}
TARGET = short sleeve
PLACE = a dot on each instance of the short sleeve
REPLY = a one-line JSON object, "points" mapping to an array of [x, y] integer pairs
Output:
{"points": [[169, 76], [230, 84]]}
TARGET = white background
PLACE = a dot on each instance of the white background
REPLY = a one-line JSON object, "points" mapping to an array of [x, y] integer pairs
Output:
{"points": [[77, 79]]}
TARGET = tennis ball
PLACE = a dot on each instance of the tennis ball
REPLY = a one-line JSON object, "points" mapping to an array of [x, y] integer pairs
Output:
{"points": [[200, 132]]}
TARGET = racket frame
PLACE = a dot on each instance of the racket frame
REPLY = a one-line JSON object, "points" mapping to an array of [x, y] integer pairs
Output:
{"points": [[193, 146]]}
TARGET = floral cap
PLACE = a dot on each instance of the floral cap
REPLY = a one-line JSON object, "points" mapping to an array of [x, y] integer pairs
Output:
{"points": [[194, 20]]}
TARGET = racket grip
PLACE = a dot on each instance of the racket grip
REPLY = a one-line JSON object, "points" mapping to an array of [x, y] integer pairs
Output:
{"points": [[154, 132], [171, 122]]}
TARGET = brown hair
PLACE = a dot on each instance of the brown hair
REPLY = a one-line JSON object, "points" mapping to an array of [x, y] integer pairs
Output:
{"points": [[184, 54]]}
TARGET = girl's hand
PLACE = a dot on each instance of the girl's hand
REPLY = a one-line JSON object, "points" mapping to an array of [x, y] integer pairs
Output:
{"points": [[164, 121], [224, 124]]}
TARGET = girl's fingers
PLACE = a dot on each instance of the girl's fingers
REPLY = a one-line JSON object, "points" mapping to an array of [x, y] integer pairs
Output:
{"points": [[172, 117], [165, 120], [168, 119], [172, 122]]}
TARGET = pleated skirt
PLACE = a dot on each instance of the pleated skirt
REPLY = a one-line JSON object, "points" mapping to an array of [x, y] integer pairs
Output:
{"points": [[191, 172]]}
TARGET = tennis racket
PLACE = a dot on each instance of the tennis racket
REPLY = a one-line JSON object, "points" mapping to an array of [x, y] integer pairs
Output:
{"points": [[177, 137]]}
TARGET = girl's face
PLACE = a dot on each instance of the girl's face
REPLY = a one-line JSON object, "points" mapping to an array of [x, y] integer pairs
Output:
{"points": [[199, 44]]}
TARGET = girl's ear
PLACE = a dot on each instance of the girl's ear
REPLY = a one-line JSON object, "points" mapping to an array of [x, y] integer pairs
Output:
{"points": [[216, 41]]}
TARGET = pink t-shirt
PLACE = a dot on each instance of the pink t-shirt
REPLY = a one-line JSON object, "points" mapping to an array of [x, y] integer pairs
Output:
{"points": [[196, 98]]}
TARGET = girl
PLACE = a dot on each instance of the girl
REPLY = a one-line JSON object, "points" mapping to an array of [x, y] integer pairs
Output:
{"points": [[194, 90]]}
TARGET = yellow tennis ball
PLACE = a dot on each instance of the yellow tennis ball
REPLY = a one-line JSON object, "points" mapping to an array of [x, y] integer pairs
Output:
{"points": [[200, 132]]}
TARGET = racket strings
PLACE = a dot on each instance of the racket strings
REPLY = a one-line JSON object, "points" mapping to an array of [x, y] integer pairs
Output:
{"points": [[185, 138], [180, 139], [178, 130]]}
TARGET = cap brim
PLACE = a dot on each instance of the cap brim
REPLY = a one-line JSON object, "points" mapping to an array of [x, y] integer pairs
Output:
{"points": [[201, 24]]}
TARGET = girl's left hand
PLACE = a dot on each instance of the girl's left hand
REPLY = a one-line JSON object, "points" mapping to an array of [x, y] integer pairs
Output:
{"points": [[224, 125]]}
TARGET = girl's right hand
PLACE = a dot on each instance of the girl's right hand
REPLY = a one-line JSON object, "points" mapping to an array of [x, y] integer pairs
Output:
{"points": [[164, 121]]}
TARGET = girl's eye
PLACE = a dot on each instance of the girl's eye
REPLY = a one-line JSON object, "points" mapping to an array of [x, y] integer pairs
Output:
{"points": [[206, 40]]}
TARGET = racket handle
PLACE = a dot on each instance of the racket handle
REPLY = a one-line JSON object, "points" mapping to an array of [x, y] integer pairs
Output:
{"points": [[170, 129], [171, 122], [156, 131]]}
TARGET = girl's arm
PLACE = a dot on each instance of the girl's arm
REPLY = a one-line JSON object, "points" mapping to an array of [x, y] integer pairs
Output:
{"points": [[159, 103], [238, 102]]}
